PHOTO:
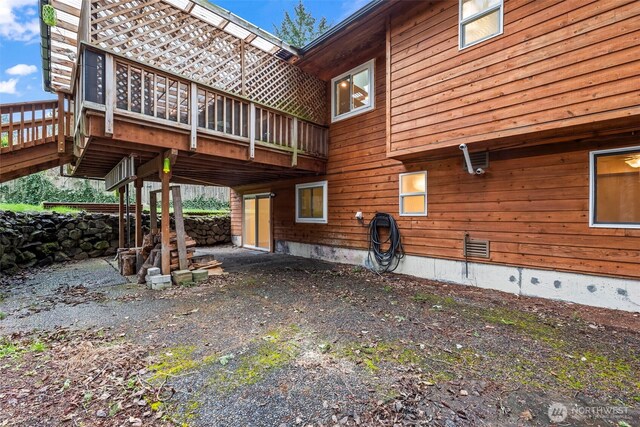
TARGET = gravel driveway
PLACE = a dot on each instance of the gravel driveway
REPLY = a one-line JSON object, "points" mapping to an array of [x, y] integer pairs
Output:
{"points": [[286, 341]]}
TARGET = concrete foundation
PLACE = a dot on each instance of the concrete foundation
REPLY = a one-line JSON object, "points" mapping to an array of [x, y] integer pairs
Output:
{"points": [[597, 291]]}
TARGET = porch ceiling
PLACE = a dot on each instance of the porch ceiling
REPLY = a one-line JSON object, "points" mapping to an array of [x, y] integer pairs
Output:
{"points": [[101, 155]]}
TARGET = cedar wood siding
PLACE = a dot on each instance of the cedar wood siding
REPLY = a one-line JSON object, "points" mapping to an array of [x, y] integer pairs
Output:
{"points": [[532, 204], [559, 67]]}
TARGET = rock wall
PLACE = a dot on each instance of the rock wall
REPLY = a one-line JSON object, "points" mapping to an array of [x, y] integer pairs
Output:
{"points": [[40, 239]]}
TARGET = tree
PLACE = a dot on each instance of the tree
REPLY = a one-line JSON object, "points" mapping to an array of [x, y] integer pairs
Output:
{"points": [[302, 28]]}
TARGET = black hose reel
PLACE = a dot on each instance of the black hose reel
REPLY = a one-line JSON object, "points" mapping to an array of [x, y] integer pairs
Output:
{"points": [[386, 260]]}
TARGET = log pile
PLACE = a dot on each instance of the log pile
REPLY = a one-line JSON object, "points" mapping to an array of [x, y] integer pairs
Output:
{"points": [[213, 267], [151, 253]]}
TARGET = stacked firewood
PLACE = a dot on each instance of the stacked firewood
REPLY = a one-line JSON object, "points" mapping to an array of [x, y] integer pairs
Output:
{"points": [[214, 267], [151, 253]]}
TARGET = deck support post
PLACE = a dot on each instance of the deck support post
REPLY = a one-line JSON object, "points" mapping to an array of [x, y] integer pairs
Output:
{"points": [[61, 136], [194, 116], [121, 217], [138, 186], [153, 212], [294, 143], [165, 177], [252, 131], [109, 93], [165, 224], [180, 233]]}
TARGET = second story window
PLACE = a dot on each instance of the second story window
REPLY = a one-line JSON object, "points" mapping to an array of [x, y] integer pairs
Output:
{"points": [[479, 20], [352, 92]]}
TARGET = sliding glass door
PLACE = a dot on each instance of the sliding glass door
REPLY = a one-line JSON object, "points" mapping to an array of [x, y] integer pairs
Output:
{"points": [[256, 221]]}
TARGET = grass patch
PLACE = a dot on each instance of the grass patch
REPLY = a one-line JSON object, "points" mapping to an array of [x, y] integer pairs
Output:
{"points": [[38, 347], [9, 349], [2, 315], [23, 207]]}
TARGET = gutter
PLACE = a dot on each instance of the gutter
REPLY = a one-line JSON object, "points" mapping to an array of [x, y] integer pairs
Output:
{"points": [[45, 50], [365, 10]]}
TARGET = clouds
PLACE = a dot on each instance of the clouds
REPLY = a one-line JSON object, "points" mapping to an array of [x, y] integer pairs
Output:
{"points": [[19, 20], [22, 70], [349, 7], [9, 86]]}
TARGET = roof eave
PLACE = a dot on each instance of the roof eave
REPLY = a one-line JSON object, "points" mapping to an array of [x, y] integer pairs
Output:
{"points": [[359, 14]]}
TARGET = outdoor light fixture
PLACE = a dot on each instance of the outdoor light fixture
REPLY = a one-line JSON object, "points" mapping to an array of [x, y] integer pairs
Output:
{"points": [[633, 161], [49, 15], [167, 166]]}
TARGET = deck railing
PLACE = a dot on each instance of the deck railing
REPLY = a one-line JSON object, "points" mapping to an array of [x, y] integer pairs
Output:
{"points": [[160, 97], [26, 124]]}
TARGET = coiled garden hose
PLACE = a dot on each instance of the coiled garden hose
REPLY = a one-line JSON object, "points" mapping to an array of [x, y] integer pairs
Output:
{"points": [[385, 260]]}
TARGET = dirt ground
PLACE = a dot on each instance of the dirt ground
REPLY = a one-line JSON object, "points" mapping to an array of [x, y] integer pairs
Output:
{"points": [[285, 341]]}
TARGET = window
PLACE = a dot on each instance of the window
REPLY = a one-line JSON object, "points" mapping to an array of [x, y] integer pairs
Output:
{"points": [[615, 188], [311, 202], [352, 92], [479, 20], [93, 77], [413, 194]]}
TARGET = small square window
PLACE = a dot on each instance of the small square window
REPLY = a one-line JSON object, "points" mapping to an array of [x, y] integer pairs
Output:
{"points": [[352, 92], [311, 202], [615, 188], [479, 20], [413, 194]]}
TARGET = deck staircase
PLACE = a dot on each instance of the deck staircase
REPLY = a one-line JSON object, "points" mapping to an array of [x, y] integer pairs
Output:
{"points": [[35, 136]]}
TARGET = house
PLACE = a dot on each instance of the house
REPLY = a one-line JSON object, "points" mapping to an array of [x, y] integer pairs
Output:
{"points": [[500, 135], [546, 97]]}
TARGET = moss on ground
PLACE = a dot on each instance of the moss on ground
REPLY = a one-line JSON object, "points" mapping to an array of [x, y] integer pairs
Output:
{"points": [[436, 300], [371, 356], [275, 350], [178, 360], [593, 370]]}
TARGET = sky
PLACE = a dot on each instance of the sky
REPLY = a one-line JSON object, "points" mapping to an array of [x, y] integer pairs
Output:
{"points": [[20, 64]]}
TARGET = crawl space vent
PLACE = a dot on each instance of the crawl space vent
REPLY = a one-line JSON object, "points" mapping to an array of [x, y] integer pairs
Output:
{"points": [[475, 248], [479, 159]]}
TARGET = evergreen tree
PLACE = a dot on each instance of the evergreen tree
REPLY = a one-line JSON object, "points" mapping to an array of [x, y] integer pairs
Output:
{"points": [[302, 28]]}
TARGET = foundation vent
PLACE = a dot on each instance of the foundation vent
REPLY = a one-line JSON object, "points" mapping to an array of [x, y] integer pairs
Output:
{"points": [[479, 159], [475, 248]]}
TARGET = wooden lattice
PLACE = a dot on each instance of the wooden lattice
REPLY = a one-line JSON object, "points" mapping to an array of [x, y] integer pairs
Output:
{"points": [[170, 39], [279, 84]]}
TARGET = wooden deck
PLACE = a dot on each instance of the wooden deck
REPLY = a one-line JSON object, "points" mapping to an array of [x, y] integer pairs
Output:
{"points": [[35, 137], [135, 110]]}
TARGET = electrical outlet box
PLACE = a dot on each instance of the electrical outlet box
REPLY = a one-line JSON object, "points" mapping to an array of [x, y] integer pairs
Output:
{"points": [[359, 215]]}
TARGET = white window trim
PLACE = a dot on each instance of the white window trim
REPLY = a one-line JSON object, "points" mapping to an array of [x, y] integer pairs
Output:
{"points": [[592, 189], [462, 22], [369, 65], [325, 202], [401, 194]]}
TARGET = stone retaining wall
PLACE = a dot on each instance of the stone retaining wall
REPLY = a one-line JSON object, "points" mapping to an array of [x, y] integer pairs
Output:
{"points": [[40, 239]]}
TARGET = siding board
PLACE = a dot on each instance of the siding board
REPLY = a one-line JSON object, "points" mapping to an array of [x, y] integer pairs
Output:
{"points": [[557, 65], [558, 61]]}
